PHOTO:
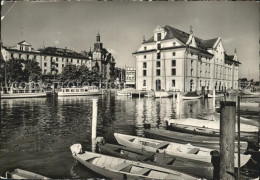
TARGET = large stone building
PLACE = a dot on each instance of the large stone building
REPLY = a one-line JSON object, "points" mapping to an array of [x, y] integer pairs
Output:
{"points": [[52, 59], [176, 60]]}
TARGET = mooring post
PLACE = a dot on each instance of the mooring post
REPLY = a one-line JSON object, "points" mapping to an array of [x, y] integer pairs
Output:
{"points": [[94, 124], [214, 100], [238, 136], [178, 106], [227, 139]]}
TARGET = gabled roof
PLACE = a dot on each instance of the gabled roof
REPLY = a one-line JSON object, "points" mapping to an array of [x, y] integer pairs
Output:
{"points": [[22, 42], [183, 37], [230, 59]]}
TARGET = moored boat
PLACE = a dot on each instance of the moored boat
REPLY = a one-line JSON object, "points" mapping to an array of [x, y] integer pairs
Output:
{"points": [[119, 168], [22, 93], [79, 91], [195, 168], [126, 92], [176, 149], [23, 174], [162, 94], [191, 96], [209, 124], [184, 138]]}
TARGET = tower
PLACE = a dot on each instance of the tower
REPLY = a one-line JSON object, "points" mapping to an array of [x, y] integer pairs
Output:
{"points": [[98, 46]]}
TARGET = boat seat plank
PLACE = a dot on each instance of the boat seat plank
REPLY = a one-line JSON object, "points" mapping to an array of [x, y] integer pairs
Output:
{"points": [[143, 171], [161, 145], [194, 151], [121, 166], [170, 176]]}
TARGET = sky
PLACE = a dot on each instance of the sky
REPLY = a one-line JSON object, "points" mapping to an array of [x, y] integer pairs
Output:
{"points": [[122, 26]]}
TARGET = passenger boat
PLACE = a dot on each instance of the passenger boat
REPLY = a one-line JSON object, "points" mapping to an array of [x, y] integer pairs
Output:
{"points": [[195, 168], [204, 124], [119, 168], [22, 93], [162, 94], [184, 138], [176, 149], [76, 91], [216, 95], [23, 174]]}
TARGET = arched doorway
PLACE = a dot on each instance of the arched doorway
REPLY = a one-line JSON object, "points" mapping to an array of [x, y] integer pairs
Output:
{"points": [[158, 84]]}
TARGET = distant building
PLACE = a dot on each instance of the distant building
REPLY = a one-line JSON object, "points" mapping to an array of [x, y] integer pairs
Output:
{"points": [[175, 60], [130, 76], [51, 59], [102, 60], [120, 74]]}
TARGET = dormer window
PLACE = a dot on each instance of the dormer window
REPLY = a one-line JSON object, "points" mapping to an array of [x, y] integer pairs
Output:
{"points": [[158, 55], [174, 44], [159, 36], [145, 47]]}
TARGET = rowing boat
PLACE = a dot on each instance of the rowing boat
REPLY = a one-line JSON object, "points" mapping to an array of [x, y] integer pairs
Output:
{"points": [[210, 124], [119, 168], [195, 168], [176, 149], [184, 138], [209, 132], [23, 174]]}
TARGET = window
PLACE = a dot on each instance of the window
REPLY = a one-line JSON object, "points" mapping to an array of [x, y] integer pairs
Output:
{"points": [[12, 55], [158, 72], [144, 72], [174, 44], [57, 65], [78, 61], [44, 57], [173, 62], [144, 56], [173, 53], [20, 56], [159, 36], [191, 72], [191, 62], [67, 60], [158, 64], [144, 83], [145, 47], [57, 59], [173, 83], [71, 60], [45, 64], [158, 46], [173, 72], [45, 71], [28, 56], [144, 65], [158, 55], [35, 57], [62, 65]]}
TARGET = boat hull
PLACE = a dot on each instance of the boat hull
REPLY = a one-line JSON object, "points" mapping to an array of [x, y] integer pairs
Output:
{"points": [[190, 98], [22, 95], [61, 94], [162, 95], [195, 168], [184, 138]]}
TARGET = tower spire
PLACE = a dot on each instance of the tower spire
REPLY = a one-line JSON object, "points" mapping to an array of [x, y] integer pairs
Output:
{"points": [[191, 31], [98, 37]]}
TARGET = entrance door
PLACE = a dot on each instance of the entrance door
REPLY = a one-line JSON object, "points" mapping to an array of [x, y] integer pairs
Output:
{"points": [[158, 84]]}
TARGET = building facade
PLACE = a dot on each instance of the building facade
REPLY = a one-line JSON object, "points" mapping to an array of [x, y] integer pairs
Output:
{"points": [[130, 76], [52, 59], [174, 60]]}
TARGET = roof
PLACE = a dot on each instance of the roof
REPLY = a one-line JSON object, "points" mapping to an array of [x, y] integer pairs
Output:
{"points": [[183, 37], [62, 52], [230, 58], [24, 42]]}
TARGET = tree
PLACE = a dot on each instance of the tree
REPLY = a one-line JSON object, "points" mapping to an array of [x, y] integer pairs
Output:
{"points": [[83, 74], [69, 73], [32, 71], [12, 70]]}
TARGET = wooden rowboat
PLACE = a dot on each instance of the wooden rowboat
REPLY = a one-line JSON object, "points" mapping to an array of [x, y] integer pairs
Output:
{"points": [[176, 149], [210, 124], [184, 138], [23, 174], [195, 168], [118, 168]]}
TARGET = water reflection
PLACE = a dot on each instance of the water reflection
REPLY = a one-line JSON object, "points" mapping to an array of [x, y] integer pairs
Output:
{"points": [[36, 133]]}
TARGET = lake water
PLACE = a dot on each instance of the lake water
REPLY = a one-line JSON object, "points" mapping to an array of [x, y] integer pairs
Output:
{"points": [[36, 134]]}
